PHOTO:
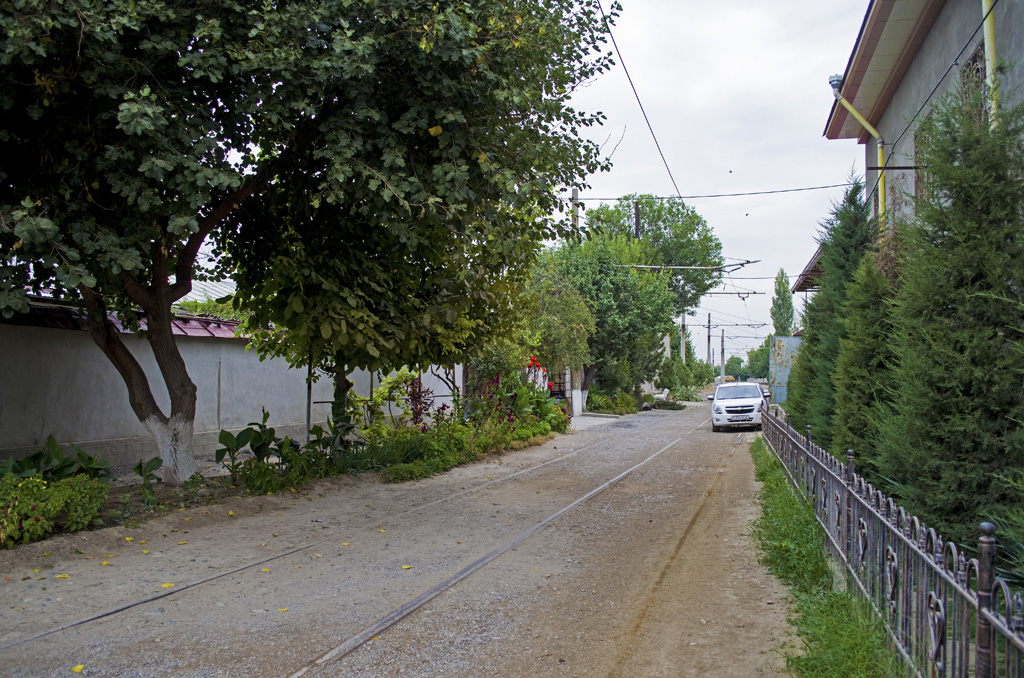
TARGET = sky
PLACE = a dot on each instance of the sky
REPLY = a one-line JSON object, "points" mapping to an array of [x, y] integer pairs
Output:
{"points": [[738, 96]]}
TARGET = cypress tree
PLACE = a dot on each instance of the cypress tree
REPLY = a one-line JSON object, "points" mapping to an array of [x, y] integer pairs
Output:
{"points": [[782, 306], [863, 378], [955, 422], [844, 238]]}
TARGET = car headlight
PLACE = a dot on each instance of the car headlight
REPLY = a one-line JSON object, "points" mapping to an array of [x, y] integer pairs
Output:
{"points": [[716, 409]]}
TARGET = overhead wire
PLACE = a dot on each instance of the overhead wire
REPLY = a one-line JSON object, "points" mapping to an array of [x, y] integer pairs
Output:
{"points": [[622, 61], [935, 89], [728, 195]]}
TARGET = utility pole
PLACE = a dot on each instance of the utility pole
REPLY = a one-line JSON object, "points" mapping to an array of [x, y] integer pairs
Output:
{"points": [[722, 356], [710, 362], [636, 219], [682, 338], [575, 208]]}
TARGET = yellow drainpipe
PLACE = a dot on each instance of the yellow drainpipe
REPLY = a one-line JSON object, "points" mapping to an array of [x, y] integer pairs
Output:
{"points": [[836, 81], [990, 60]]}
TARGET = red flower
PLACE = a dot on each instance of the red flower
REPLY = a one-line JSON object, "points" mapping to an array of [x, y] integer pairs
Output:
{"points": [[551, 385]]}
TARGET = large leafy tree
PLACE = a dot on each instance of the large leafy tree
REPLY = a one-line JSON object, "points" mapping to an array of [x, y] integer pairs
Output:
{"points": [[845, 237], [758, 358], [955, 423], [373, 171], [558, 319], [671, 234], [632, 308]]}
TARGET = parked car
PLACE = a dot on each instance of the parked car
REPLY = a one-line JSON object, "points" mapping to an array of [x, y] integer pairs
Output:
{"points": [[737, 404]]}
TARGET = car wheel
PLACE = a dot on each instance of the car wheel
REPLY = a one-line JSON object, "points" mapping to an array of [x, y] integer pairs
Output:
{"points": [[715, 428], [758, 427]]}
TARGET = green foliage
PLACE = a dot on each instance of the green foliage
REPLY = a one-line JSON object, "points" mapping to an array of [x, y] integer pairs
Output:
{"points": [[599, 402], [670, 405], [673, 375], [50, 463], [839, 633], [782, 306], [734, 366], [845, 237], [703, 373], [500, 361], [632, 307], [388, 405], [621, 403], [32, 508], [863, 381], [955, 421], [558, 319], [376, 188], [757, 359], [671, 234], [214, 307], [146, 471]]}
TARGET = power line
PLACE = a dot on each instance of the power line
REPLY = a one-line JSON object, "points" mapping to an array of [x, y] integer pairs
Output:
{"points": [[630, 79], [729, 195]]}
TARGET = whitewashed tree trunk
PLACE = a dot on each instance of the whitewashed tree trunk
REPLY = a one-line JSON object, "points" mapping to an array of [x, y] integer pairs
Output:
{"points": [[174, 443]]}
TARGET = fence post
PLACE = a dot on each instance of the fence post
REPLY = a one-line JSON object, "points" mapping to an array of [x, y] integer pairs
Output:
{"points": [[984, 640], [848, 494], [805, 465]]}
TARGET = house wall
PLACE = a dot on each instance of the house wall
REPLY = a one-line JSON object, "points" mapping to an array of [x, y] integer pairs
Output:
{"points": [[952, 29], [56, 381]]}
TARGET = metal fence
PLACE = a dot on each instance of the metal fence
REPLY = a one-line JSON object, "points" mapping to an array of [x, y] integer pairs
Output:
{"points": [[946, 615]]}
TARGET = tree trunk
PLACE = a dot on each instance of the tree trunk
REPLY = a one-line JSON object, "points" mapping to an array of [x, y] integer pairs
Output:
{"points": [[174, 441], [589, 372], [173, 435], [341, 388]]}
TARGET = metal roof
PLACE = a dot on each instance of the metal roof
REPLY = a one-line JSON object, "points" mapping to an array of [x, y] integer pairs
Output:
{"points": [[808, 278], [55, 314], [890, 36]]}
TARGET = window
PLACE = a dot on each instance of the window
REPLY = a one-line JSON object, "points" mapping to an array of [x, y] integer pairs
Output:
{"points": [[973, 87]]}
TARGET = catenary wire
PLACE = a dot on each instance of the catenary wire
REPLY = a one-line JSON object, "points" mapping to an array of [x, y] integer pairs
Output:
{"points": [[728, 195], [637, 95]]}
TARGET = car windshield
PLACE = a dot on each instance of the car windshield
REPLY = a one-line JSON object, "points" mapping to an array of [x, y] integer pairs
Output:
{"points": [[738, 391]]}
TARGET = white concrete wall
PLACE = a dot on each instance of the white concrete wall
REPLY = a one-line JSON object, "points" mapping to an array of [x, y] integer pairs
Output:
{"points": [[56, 381], [952, 29]]}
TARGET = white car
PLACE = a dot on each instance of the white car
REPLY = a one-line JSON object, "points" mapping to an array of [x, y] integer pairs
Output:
{"points": [[737, 404]]}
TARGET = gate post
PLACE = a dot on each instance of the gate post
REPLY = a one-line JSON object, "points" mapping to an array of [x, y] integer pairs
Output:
{"points": [[984, 640]]}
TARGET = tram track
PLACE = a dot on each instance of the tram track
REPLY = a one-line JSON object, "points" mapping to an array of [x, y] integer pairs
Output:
{"points": [[490, 484], [569, 542]]}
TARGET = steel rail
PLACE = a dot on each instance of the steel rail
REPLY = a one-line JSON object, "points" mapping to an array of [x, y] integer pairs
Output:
{"points": [[181, 589], [408, 608]]}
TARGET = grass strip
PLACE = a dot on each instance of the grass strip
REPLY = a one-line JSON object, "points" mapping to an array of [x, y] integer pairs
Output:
{"points": [[839, 633]]}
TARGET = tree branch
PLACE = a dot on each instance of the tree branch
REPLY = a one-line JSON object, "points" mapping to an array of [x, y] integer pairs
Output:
{"points": [[106, 336]]}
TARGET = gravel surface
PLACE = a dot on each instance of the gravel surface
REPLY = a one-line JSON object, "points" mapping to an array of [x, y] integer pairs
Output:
{"points": [[653, 576]]}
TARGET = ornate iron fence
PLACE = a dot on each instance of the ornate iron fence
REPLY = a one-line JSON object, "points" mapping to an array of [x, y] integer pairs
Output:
{"points": [[946, 615]]}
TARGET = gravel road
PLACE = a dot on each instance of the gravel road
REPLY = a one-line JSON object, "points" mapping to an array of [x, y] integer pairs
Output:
{"points": [[652, 576]]}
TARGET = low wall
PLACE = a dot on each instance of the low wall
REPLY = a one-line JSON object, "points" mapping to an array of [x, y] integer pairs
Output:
{"points": [[56, 381]]}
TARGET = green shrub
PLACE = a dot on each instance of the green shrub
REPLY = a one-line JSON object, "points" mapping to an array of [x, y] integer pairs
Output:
{"points": [[598, 402], [50, 463], [33, 508], [668, 405], [559, 419], [626, 402]]}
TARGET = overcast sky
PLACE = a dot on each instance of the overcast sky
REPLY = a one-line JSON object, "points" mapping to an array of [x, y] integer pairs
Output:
{"points": [[738, 95]]}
